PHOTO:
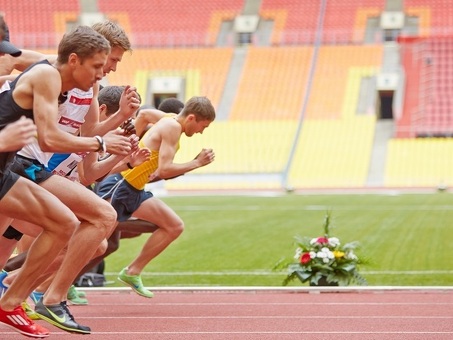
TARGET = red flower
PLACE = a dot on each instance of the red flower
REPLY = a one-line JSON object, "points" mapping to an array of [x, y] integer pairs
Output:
{"points": [[305, 258], [322, 240]]}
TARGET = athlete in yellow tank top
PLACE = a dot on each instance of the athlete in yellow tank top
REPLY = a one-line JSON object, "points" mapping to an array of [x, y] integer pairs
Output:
{"points": [[138, 177]]}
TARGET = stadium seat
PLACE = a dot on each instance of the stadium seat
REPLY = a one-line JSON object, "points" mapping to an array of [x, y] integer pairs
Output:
{"points": [[175, 23], [333, 153], [273, 83], [207, 67], [338, 68], [419, 162], [40, 23]]}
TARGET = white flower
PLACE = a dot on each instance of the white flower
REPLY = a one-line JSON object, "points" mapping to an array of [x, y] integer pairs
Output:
{"points": [[321, 254], [351, 256], [298, 253], [334, 241], [312, 254], [325, 260], [327, 253], [313, 241]]}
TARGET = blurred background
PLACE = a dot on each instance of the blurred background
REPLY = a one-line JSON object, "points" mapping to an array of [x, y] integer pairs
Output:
{"points": [[312, 94]]}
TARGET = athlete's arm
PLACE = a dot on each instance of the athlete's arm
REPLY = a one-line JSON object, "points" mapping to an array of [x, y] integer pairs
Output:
{"points": [[91, 170], [42, 97], [129, 104], [146, 117], [169, 132], [9, 63]]}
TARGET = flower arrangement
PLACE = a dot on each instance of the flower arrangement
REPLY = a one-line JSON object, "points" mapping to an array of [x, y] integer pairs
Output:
{"points": [[323, 261]]}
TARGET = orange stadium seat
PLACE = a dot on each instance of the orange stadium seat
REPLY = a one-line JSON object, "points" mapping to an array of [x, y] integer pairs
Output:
{"points": [[182, 24], [436, 15], [345, 20], [296, 22], [38, 23], [210, 65], [273, 83], [334, 69]]}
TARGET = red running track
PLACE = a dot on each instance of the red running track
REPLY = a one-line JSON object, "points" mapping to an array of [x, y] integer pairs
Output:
{"points": [[262, 314]]}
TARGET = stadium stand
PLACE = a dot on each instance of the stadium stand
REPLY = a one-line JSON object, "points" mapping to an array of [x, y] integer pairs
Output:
{"points": [[294, 21], [435, 16], [40, 23], [333, 153], [419, 162], [272, 84], [345, 20], [337, 69], [205, 69], [174, 23], [298, 112], [434, 116], [252, 155]]}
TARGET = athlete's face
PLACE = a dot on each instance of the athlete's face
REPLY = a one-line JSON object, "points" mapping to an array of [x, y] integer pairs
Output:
{"points": [[89, 71], [193, 126], [115, 56]]}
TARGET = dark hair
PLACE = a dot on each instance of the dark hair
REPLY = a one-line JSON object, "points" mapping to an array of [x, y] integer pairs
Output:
{"points": [[83, 41], [110, 96], [171, 105]]}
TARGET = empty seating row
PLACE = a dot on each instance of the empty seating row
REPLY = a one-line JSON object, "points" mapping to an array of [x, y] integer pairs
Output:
{"points": [[39, 24], [419, 162], [333, 153]]}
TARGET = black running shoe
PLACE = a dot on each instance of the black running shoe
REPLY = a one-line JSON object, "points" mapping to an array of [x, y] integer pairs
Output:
{"points": [[60, 316]]}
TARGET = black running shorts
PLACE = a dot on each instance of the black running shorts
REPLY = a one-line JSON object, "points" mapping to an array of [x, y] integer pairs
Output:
{"points": [[124, 198], [30, 168]]}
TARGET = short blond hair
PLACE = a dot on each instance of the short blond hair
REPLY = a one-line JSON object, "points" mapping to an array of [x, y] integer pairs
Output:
{"points": [[114, 33], [201, 107]]}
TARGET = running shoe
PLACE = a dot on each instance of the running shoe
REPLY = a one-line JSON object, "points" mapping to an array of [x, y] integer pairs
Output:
{"points": [[20, 322], [74, 298], [3, 287], [60, 316], [135, 282], [36, 296], [29, 311], [81, 293]]}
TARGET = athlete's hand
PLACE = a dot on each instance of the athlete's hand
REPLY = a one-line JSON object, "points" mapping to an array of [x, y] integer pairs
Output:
{"points": [[128, 127], [15, 135], [129, 102], [117, 143], [139, 156], [205, 157], [134, 142]]}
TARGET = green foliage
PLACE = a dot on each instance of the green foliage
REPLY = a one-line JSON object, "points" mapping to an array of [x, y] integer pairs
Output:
{"points": [[323, 257], [235, 240]]}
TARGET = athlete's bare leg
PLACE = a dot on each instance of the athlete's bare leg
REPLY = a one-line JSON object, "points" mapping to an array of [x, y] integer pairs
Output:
{"points": [[97, 219], [28, 201], [170, 227]]}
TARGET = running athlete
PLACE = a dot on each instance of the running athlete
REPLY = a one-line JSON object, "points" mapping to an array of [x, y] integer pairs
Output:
{"points": [[126, 192]]}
